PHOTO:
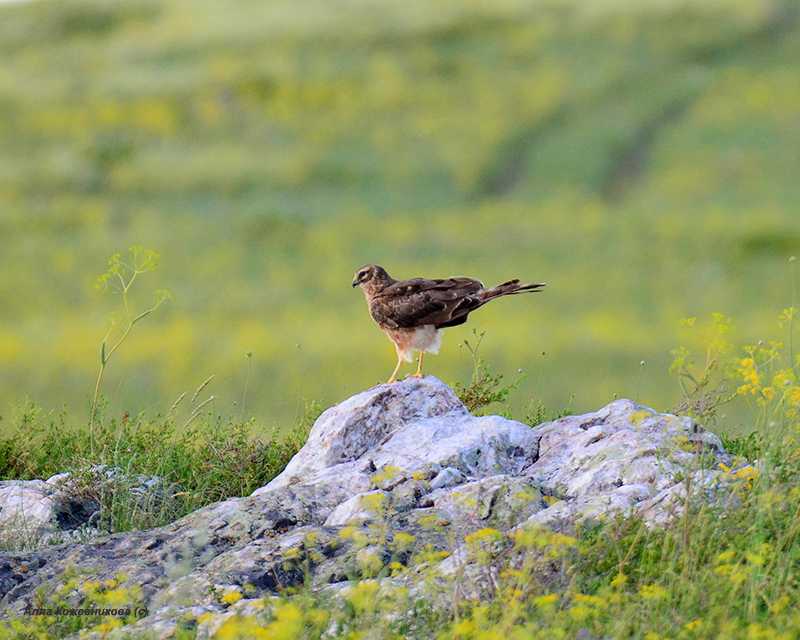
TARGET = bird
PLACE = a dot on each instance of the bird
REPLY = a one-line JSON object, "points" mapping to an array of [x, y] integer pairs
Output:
{"points": [[413, 313]]}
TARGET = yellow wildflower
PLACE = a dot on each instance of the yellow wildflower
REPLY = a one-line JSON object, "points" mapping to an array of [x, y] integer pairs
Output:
{"points": [[758, 632], [403, 540], [735, 573], [547, 600], [386, 474], [370, 561], [652, 592], [117, 596], [780, 604], [746, 473], [288, 623], [619, 580], [248, 628], [464, 628], [783, 378], [396, 567], [754, 558], [205, 617], [591, 600], [579, 612], [363, 596], [726, 556], [786, 316], [483, 543], [90, 586], [693, 625], [373, 502], [292, 553], [486, 534], [232, 597], [108, 626]]}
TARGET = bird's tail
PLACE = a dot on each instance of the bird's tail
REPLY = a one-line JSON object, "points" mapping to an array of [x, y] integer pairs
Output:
{"points": [[511, 288]]}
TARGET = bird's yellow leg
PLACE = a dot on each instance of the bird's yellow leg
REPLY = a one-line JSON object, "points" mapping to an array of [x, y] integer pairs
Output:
{"points": [[393, 377], [418, 373]]}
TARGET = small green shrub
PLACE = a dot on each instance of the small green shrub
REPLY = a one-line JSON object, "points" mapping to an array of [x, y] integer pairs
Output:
{"points": [[485, 387]]}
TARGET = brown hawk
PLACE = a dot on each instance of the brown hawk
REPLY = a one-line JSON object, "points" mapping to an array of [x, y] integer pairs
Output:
{"points": [[414, 312]]}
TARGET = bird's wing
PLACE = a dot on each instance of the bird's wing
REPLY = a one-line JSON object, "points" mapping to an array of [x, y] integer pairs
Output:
{"points": [[418, 302]]}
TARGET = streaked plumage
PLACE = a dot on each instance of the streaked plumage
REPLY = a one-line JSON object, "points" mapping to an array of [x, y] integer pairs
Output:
{"points": [[413, 312]]}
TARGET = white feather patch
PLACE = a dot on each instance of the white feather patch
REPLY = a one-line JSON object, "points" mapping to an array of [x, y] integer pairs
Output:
{"points": [[436, 344], [426, 338]]}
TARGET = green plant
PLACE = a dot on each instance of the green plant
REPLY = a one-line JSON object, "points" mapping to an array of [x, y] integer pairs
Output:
{"points": [[749, 447], [249, 356], [485, 386], [119, 278], [705, 382], [195, 408], [537, 412]]}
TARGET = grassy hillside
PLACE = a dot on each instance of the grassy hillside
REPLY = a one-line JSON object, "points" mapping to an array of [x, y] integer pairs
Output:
{"points": [[640, 157]]}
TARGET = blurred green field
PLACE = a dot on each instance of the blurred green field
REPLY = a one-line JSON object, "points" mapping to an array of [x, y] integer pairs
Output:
{"points": [[642, 158]]}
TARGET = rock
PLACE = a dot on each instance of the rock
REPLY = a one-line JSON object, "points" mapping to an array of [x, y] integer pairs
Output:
{"points": [[354, 510], [394, 471], [407, 426], [617, 460], [447, 477], [140, 486], [35, 513], [498, 502], [710, 486], [66, 506]]}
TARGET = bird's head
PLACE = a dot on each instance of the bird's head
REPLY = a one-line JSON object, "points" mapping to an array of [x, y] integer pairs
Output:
{"points": [[371, 276]]}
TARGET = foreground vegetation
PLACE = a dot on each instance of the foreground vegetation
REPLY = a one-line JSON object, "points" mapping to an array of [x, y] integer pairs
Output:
{"points": [[209, 460], [638, 156], [722, 570]]}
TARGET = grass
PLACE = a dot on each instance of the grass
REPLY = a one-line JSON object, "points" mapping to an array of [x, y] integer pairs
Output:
{"points": [[209, 460], [268, 151]]}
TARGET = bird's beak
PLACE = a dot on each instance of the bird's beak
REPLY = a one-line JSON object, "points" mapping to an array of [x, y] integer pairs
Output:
{"points": [[355, 283]]}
